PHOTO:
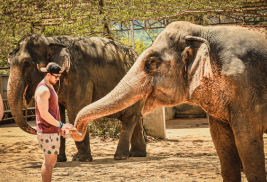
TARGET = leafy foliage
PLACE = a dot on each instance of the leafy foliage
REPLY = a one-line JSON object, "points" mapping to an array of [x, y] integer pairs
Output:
{"points": [[99, 17], [105, 127], [139, 46]]}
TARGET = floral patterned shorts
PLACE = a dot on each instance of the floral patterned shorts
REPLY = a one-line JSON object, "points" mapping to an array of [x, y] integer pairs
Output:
{"points": [[50, 143]]}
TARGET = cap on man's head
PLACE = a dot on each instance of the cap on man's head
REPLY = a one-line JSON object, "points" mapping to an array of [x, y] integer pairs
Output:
{"points": [[52, 68]]}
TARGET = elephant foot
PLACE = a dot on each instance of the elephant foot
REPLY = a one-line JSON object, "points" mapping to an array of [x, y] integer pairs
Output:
{"points": [[137, 154], [121, 157], [61, 158], [82, 157]]}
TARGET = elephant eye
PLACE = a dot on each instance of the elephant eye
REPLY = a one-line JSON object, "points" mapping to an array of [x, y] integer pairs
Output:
{"points": [[153, 63], [27, 64]]}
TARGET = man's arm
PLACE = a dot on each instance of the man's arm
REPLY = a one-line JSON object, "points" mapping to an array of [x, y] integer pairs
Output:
{"points": [[42, 99], [1, 108]]}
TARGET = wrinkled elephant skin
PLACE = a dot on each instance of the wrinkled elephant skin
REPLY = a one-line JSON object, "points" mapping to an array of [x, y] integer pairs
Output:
{"points": [[223, 69], [92, 68]]}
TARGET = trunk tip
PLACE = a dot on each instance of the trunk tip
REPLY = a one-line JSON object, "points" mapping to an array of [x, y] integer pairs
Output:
{"points": [[76, 135]]}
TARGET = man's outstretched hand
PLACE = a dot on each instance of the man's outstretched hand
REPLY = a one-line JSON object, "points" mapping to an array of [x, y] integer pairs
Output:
{"points": [[67, 127]]}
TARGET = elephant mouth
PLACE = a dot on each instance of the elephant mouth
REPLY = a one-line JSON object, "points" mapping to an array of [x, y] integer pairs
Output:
{"points": [[147, 105], [146, 108], [28, 92]]}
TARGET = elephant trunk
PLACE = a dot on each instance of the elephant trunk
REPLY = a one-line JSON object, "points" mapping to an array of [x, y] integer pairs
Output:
{"points": [[130, 89], [15, 91]]}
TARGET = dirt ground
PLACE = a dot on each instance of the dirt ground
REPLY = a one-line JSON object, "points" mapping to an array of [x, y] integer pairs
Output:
{"points": [[187, 154]]}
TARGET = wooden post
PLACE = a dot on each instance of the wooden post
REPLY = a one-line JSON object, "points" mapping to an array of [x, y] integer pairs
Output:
{"points": [[26, 114], [1, 86], [154, 123], [132, 34]]}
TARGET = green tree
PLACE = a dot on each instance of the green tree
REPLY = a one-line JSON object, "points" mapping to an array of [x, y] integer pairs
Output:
{"points": [[139, 46], [97, 17]]}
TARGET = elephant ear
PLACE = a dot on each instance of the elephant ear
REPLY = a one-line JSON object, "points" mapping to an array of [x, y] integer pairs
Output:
{"points": [[196, 59], [59, 53]]}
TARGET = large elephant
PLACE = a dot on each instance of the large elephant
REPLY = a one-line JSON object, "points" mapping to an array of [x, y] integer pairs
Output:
{"points": [[92, 68], [223, 69]]}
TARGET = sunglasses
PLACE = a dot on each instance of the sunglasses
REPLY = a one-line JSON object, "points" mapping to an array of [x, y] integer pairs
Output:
{"points": [[56, 77]]}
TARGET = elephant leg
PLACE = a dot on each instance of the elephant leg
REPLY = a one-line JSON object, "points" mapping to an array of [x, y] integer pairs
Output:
{"points": [[61, 157], [223, 139], [83, 147], [138, 143], [84, 150], [75, 104], [122, 151], [132, 131], [250, 145]]}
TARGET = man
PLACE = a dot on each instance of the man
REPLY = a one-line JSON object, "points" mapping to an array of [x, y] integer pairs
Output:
{"points": [[48, 121]]}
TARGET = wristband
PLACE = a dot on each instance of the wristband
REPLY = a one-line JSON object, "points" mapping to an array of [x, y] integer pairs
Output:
{"points": [[60, 125]]}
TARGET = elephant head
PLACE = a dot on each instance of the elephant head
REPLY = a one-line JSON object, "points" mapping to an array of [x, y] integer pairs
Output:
{"points": [[32, 52], [166, 74]]}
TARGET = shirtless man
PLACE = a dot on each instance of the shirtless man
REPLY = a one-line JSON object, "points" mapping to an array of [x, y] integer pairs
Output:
{"points": [[49, 127]]}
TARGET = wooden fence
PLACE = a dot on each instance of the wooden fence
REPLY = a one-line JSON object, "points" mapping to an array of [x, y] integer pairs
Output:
{"points": [[28, 113]]}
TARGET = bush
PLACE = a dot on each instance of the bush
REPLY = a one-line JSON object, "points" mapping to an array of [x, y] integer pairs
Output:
{"points": [[105, 127]]}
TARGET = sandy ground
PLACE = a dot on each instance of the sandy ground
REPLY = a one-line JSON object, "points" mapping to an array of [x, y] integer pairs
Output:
{"points": [[187, 154]]}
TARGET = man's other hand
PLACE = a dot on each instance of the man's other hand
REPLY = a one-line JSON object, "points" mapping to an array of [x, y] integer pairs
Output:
{"points": [[63, 133]]}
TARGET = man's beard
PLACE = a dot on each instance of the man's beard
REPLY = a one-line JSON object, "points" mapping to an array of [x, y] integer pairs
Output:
{"points": [[53, 83]]}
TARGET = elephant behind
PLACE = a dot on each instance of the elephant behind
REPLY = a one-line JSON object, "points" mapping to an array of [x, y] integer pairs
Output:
{"points": [[92, 68], [223, 69]]}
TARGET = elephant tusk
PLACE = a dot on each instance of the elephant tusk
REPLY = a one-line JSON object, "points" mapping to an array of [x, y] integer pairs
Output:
{"points": [[38, 67], [24, 100], [25, 90], [198, 39]]}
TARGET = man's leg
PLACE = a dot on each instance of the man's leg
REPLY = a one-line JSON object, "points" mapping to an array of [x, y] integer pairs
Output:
{"points": [[47, 167], [50, 146]]}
